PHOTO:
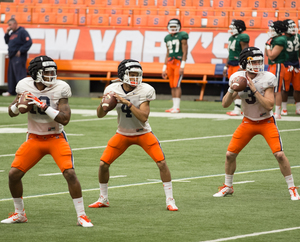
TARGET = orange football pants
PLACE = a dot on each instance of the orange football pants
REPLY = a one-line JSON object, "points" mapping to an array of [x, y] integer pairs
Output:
{"points": [[248, 129], [117, 145], [173, 67], [37, 146], [291, 77], [279, 71], [231, 70]]}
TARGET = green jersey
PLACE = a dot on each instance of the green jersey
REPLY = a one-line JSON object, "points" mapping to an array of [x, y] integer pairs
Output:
{"points": [[234, 46], [293, 48], [283, 56], [174, 44]]}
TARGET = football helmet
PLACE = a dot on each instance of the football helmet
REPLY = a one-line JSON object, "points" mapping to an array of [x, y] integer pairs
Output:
{"points": [[39, 66], [277, 28], [248, 56], [236, 27], [174, 22], [126, 67], [292, 27]]}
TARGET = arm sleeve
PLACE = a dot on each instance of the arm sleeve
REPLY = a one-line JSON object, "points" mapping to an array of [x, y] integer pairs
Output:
{"points": [[66, 91]]}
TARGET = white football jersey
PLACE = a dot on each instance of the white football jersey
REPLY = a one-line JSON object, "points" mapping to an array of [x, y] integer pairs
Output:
{"points": [[128, 124], [38, 121], [251, 107]]}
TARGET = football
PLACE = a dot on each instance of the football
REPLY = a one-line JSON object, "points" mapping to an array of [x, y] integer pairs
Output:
{"points": [[109, 102], [239, 83], [23, 105]]}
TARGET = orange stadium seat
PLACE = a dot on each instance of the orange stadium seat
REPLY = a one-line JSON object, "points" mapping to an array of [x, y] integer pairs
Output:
{"points": [[204, 11], [166, 3], [23, 1], [149, 11], [201, 3], [287, 14], [157, 21], [98, 19], [24, 18], [36, 2], [187, 11], [9, 15], [66, 18], [184, 3], [8, 7], [276, 4], [114, 10], [224, 12], [266, 13], [25, 8], [282, 17], [242, 12], [250, 22], [140, 20], [43, 8], [111, 2], [265, 22], [216, 21], [79, 8], [167, 11], [256, 4], [130, 10], [222, 3], [119, 20], [62, 8], [44, 18], [76, 2], [237, 4], [192, 21], [96, 9], [146, 3], [128, 3], [292, 4], [94, 3], [58, 2], [81, 19], [169, 17]]}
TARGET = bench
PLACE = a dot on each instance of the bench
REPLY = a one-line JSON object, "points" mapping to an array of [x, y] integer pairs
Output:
{"points": [[151, 72]]}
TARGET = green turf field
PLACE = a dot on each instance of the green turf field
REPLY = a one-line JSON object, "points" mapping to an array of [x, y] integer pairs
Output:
{"points": [[259, 210]]}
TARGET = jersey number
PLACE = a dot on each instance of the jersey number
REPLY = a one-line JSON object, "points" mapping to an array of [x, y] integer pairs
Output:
{"points": [[251, 99], [126, 110], [231, 45], [290, 47], [35, 109], [174, 42]]}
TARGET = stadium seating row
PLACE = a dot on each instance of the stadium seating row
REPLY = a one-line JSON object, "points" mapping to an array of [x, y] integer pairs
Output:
{"points": [[277, 4], [137, 20]]}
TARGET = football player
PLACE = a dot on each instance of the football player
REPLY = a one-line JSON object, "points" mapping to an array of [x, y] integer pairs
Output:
{"points": [[292, 74], [50, 112], [133, 111], [236, 43], [177, 46], [257, 103], [275, 49]]}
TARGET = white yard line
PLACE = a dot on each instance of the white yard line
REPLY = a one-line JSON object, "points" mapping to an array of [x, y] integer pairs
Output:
{"points": [[253, 234]]}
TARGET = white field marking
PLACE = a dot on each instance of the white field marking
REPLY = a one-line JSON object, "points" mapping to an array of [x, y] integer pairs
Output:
{"points": [[252, 235], [242, 182], [147, 183], [165, 141], [1, 170], [91, 119], [9, 125], [118, 176], [50, 174]]}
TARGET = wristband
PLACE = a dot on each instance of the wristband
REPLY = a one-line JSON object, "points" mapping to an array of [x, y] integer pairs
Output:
{"points": [[129, 105], [14, 109], [182, 64], [254, 92], [268, 47], [51, 112], [164, 67], [230, 90], [225, 68]]}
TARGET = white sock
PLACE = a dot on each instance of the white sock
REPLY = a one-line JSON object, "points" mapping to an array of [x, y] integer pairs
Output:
{"points": [[289, 180], [283, 104], [237, 105], [298, 106], [176, 102], [168, 189], [104, 189], [79, 206], [228, 180], [277, 109], [19, 205]]}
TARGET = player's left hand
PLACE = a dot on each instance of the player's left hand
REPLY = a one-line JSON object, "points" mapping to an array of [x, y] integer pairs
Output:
{"points": [[120, 99], [181, 71], [251, 84], [34, 100]]}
